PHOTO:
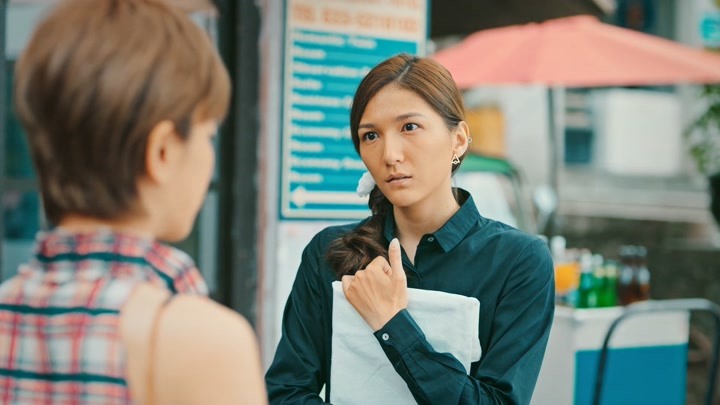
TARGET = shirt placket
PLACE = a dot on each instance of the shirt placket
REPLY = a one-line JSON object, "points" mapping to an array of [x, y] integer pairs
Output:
{"points": [[416, 270]]}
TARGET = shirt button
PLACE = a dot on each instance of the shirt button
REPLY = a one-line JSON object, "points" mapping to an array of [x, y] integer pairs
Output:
{"points": [[385, 337], [430, 239]]}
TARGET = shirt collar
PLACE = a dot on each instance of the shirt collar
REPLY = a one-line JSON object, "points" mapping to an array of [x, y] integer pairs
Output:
{"points": [[61, 242], [454, 230]]}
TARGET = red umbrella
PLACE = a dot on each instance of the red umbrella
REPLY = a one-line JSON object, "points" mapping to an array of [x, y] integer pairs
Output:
{"points": [[576, 51]]}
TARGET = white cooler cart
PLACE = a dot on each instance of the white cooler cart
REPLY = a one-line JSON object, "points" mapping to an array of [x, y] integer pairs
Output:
{"points": [[643, 361]]}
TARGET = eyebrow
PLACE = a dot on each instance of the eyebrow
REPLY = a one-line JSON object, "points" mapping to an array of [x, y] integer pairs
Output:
{"points": [[400, 117]]}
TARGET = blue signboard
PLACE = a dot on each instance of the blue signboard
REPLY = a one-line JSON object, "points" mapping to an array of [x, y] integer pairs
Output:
{"points": [[323, 66], [709, 28]]}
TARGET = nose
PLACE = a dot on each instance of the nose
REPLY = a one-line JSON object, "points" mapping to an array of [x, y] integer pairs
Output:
{"points": [[393, 150]]}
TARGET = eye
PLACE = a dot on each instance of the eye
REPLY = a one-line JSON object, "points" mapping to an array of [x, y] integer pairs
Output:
{"points": [[410, 127], [370, 136]]}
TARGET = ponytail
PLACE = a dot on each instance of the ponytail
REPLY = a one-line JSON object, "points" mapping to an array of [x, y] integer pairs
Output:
{"points": [[356, 249]]}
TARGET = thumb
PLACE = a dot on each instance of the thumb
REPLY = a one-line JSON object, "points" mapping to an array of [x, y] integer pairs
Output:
{"points": [[346, 280], [395, 256]]}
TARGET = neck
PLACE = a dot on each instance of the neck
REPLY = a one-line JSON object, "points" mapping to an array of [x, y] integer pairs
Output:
{"points": [[75, 223], [424, 218]]}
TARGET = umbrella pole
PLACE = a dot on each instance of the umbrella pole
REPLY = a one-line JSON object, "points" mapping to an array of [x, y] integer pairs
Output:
{"points": [[556, 135]]}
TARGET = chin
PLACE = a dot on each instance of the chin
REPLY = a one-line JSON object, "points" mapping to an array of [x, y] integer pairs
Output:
{"points": [[175, 235], [401, 200]]}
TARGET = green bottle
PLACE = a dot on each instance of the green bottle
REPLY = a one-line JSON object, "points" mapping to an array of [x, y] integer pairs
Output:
{"points": [[608, 294], [587, 293], [600, 282]]}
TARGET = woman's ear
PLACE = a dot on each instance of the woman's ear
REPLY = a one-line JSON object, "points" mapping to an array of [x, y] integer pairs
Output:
{"points": [[461, 140], [162, 152]]}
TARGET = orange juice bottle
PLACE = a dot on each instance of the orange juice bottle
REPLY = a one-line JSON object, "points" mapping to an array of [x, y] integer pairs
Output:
{"points": [[566, 277], [567, 271]]}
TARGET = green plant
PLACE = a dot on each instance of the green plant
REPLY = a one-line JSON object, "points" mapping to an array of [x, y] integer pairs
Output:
{"points": [[704, 133]]}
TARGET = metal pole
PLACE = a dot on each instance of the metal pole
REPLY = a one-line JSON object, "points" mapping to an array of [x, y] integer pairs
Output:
{"points": [[556, 137], [3, 114], [239, 28], [244, 219]]}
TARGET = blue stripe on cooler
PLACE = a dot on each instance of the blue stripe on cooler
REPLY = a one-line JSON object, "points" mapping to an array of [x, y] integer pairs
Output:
{"points": [[639, 376]]}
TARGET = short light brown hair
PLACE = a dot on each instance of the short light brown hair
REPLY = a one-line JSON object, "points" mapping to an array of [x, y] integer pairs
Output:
{"points": [[95, 79]]}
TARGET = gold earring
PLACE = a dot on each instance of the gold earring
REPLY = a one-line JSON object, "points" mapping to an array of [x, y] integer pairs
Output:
{"points": [[455, 159]]}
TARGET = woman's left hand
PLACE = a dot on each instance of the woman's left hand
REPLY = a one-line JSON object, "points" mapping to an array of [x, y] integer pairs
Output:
{"points": [[379, 291]]}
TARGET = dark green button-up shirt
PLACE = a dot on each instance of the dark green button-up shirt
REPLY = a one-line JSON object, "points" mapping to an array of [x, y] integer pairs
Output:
{"points": [[508, 271]]}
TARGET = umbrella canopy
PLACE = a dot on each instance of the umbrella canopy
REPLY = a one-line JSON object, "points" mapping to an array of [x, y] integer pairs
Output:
{"points": [[578, 51]]}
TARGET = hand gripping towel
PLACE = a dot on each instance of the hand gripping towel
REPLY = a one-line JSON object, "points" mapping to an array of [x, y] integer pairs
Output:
{"points": [[361, 372]]}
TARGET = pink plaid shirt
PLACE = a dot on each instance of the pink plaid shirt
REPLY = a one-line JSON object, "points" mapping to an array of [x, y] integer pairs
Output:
{"points": [[59, 317]]}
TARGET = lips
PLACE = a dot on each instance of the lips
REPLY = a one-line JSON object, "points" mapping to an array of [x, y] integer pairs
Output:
{"points": [[396, 178]]}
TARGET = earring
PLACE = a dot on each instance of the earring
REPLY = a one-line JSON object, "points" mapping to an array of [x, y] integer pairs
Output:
{"points": [[455, 159]]}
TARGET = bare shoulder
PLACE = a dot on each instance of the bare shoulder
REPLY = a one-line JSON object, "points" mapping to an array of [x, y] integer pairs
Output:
{"points": [[203, 352], [197, 319], [184, 318], [212, 349]]}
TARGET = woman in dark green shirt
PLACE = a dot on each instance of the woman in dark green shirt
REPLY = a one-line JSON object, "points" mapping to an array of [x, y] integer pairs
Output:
{"points": [[407, 125]]}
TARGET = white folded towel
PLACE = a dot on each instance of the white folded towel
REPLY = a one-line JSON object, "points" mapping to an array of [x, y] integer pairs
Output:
{"points": [[361, 372]]}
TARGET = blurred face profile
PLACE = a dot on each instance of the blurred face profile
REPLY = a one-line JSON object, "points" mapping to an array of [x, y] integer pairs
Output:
{"points": [[188, 186]]}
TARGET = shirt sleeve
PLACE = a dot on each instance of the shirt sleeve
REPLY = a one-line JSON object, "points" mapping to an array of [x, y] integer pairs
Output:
{"points": [[299, 369], [509, 367]]}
